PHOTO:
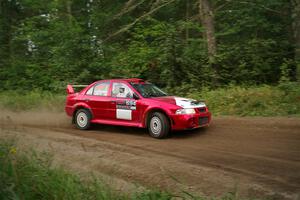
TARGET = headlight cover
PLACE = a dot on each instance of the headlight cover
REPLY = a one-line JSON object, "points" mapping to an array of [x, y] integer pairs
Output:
{"points": [[185, 111]]}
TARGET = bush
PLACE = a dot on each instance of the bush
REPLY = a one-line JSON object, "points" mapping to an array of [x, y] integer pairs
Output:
{"points": [[34, 100]]}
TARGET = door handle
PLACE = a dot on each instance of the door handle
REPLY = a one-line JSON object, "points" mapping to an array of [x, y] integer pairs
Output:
{"points": [[87, 100], [113, 102]]}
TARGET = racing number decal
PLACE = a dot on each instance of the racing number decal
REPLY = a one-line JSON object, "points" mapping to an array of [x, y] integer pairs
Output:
{"points": [[125, 108], [126, 105]]}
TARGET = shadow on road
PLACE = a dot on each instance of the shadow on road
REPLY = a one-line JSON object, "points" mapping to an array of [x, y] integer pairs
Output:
{"points": [[142, 132]]}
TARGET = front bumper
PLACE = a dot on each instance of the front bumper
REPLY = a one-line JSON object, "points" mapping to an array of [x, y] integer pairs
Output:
{"points": [[183, 122]]}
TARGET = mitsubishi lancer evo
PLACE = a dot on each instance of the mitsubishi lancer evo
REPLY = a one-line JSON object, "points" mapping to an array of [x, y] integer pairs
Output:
{"points": [[137, 103]]}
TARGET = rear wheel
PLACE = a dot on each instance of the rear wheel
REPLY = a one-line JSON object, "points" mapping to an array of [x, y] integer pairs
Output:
{"points": [[83, 119], [158, 125]]}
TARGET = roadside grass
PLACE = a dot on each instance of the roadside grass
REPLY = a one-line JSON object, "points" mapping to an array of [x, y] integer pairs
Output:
{"points": [[264, 100], [33, 100]]}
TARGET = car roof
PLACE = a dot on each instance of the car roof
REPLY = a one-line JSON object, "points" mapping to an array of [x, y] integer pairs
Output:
{"points": [[129, 80]]}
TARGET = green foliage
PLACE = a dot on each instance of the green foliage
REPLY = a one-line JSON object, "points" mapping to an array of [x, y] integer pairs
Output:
{"points": [[255, 42], [45, 45], [285, 71]]}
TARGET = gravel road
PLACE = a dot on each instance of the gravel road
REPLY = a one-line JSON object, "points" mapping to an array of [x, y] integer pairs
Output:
{"points": [[254, 157]]}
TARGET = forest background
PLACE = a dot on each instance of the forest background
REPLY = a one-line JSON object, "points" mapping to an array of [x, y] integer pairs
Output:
{"points": [[214, 49]]}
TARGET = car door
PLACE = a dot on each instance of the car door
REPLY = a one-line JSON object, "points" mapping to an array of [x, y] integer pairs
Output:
{"points": [[98, 98], [125, 106]]}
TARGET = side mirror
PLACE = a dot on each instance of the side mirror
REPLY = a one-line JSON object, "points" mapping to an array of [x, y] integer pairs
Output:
{"points": [[70, 89], [135, 96]]}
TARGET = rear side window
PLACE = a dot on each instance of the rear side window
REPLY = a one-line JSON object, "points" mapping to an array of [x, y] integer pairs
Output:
{"points": [[121, 90], [90, 91], [100, 89]]}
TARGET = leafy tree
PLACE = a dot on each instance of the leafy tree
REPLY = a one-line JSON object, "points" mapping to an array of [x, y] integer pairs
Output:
{"points": [[174, 43]]}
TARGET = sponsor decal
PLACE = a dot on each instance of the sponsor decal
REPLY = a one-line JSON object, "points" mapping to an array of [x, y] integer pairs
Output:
{"points": [[125, 108], [124, 114], [126, 105]]}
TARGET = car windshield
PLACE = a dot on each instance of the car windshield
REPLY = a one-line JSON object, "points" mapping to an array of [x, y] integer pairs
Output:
{"points": [[148, 90]]}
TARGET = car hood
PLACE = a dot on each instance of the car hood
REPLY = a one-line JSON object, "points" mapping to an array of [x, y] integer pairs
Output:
{"points": [[180, 101]]}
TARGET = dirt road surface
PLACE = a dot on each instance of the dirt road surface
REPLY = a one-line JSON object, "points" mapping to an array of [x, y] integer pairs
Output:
{"points": [[251, 157]]}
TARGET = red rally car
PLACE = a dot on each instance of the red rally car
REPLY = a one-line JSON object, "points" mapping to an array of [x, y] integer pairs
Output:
{"points": [[134, 102]]}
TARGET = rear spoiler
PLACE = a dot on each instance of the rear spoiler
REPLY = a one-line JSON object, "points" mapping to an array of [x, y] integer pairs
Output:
{"points": [[70, 88]]}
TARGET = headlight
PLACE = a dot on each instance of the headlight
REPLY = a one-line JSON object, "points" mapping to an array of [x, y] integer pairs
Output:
{"points": [[185, 111]]}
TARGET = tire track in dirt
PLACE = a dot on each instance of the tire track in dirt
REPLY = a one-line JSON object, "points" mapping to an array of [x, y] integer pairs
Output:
{"points": [[221, 163], [261, 155]]}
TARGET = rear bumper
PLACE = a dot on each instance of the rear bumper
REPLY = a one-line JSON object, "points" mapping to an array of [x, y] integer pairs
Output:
{"points": [[183, 122]]}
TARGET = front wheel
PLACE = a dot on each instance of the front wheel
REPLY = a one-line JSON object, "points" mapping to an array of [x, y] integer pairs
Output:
{"points": [[158, 125], [82, 119]]}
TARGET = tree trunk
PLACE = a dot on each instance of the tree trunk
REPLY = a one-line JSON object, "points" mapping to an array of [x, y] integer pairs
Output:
{"points": [[296, 33], [207, 20], [69, 10], [187, 15]]}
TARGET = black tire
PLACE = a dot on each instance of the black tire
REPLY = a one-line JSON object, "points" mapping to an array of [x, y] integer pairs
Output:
{"points": [[83, 119], [158, 125]]}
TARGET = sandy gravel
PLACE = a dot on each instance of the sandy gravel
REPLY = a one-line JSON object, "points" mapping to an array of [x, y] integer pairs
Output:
{"points": [[254, 157]]}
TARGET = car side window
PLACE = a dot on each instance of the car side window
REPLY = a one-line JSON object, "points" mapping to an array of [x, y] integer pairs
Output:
{"points": [[90, 91], [121, 90], [101, 89]]}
